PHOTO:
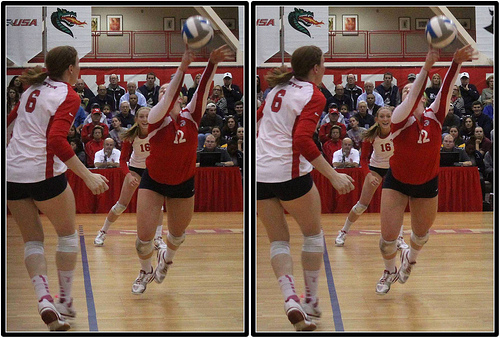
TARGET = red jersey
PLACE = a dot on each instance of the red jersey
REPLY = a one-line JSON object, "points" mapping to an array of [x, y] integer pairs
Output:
{"points": [[172, 158], [86, 132], [324, 131], [417, 143]]}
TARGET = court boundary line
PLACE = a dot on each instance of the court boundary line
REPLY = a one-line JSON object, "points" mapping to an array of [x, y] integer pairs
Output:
{"points": [[89, 295], [334, 301]]}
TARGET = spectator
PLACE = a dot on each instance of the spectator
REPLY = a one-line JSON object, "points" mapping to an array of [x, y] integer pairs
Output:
{"points": [[487, 93], [365, 120], [388, 91], [449, 147], [333, 144], [431, 92], [88, 129], [94, 145], [356, 132], [73, 134], [192, 90], [12, 98], [347, 156], [411, 77], [369, 90], [345, 112], [115, 90], [260, 93], [133, 103], [326, 93], [126, 119], [450, 120], [209, 120], [16, 83], [467, 128], [457, 101], [468, 91], [459, 142], [230, 128], [80, 117], [219, 140], [240, 135], [232, 93], [117, 132], [210, 146], [132, 89], [483, 144], [150, 90], [488, 109], [482, 120], [339, 98], [352, 90], [489, 165], [238, 108], [102, 98], [371, 107], [219, 100], [108, 156], [77, 146], [103, 118], [85, 93], [333, 117], [106, 110], [476, 160], [235, 153]]}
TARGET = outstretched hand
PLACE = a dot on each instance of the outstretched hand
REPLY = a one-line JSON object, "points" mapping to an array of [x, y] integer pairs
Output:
{"points": [[187, 58], [466, 53], [220, 54], [431, 58]]}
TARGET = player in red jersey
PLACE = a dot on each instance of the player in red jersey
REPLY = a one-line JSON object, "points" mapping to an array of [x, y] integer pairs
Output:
{"points": [[37, 158], [286, 154], [414, 167], [170, 168]]}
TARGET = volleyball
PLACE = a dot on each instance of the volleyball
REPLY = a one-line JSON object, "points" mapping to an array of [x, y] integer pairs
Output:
{"points": [[440, 32], [197, 32]]}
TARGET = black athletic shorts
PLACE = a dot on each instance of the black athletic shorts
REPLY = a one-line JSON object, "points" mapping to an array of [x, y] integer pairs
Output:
{"points": [[427, 190], [382, 172], [39, 191], [139, 171], [183, 190], [285, 191]]}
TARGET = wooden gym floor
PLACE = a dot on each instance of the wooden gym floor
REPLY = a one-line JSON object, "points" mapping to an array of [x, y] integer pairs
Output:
{"points": [[204, 290], [451, 287]]}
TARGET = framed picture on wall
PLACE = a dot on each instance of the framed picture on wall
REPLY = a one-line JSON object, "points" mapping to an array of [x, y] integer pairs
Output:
{"points": [[331, 24], [465, 23], [95, 24], [168, 24], [421, 23], [115, 24], [350, 24], [404, 24], [230, 23]]}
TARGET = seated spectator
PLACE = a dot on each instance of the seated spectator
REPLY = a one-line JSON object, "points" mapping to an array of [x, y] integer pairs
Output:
{"points": [[15, 82], [240, 135], [219, 100], [371, 107], [80, 117], [467, 129], [238, 108], [457, 140], [101, 98], [488, 109], [476, 160], [209, 120], [219, 140], [106, 110], [230, 128], [411, 77], [149, 90], [457, 101], [365, 120], [356, 132], [134, 106], [347, 156], [339, 98], [333, 144], [126, 119], [210, 146], [449, 147], [117, 132], [345, 112], [488, 166], [352, 90], [12, 98], [94, 145], [388, 91], [468, 91], [108, 156], [73, 134], [192, 89], [487, 93], [431, 92], [369, 90], [333, 120], [115, 91], [235, 153], [88, 129], [132, 89], [450, 120], [483, 144], [232, 93], [103, 118], [482, 120], [77, 146], [85, 93]]}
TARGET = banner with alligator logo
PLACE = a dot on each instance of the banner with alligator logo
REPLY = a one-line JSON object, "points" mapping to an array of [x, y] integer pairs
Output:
{"points": [[306, 26], [23, 26], [268, 33], [485, 30], [69, 26]]}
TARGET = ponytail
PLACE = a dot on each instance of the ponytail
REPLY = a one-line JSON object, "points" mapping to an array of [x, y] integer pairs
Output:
{"points": [[33, 76], [278, 76]]}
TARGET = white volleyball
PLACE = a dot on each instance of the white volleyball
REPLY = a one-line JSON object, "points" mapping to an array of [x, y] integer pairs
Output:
{"points": [[440, 32], [197, 32]]}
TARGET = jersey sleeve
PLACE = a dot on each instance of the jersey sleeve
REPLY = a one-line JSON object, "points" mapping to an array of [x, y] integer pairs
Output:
{"points": [[366, 152], [126, 152], [440, 104], [197, 104], [63, 118]]}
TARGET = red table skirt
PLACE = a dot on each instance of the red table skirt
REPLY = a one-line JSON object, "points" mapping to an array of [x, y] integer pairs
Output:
{"points": [[459, 191], [216, 189]]}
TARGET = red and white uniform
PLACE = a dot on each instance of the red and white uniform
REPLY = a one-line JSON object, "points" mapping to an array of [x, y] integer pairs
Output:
{"points": [[172, 158], [376, 153], [39, 145], [417, 143], [287, 121], [135, 153]]}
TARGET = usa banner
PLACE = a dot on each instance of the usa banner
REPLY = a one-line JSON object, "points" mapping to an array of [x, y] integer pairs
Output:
{"points": [[69, 26], [306, 26], [485, 30], [268, 33], [24, 28]]}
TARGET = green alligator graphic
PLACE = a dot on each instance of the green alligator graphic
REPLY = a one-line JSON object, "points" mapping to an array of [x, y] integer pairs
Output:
{"points": [[62, 17], [300, 17]]}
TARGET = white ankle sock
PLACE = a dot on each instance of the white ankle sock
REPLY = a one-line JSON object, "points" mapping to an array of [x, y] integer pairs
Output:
{"points": [[347, 225], [412, 255], [41, 285], [169, 256], [65, 284], [159, 229], [311, 279], [146, 264], [106, 225], [390, 264], [287, 286]]}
